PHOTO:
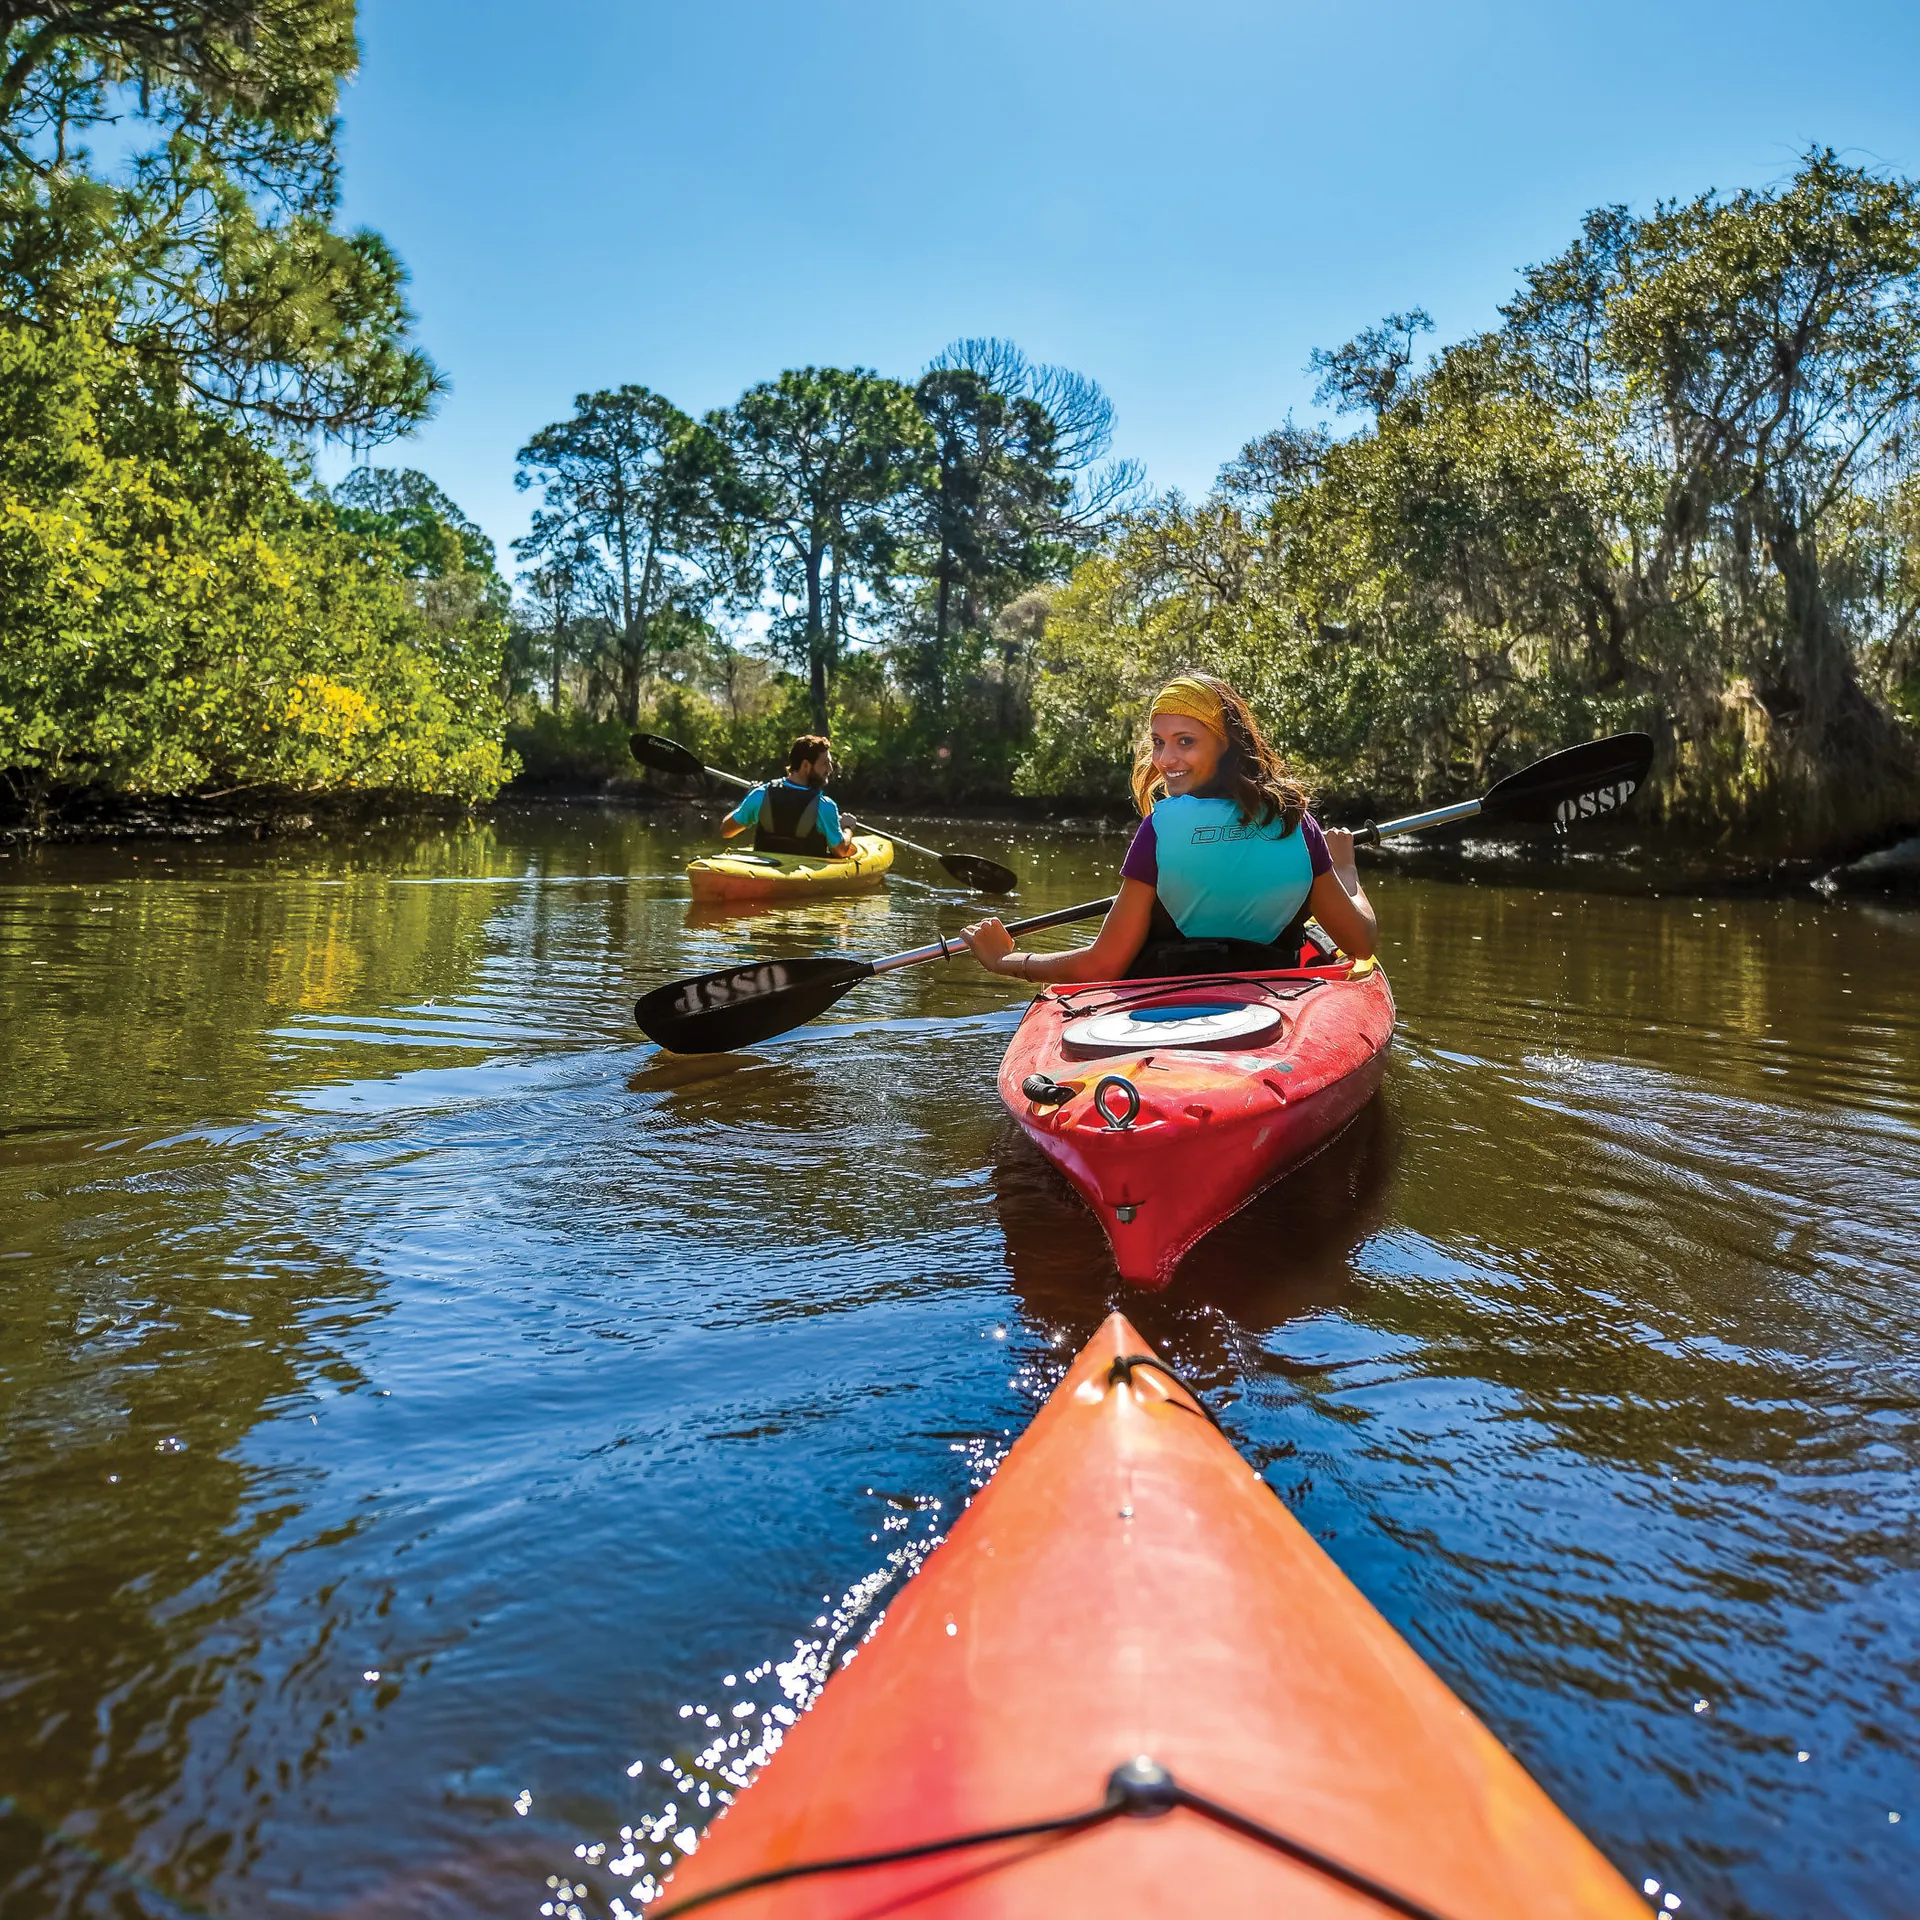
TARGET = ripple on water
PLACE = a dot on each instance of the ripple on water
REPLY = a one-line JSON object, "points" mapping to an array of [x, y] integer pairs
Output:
{"points": [[382, 1306]]}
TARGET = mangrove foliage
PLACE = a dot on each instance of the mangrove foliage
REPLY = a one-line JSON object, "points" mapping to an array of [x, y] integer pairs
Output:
{"points": [[181, 317]]}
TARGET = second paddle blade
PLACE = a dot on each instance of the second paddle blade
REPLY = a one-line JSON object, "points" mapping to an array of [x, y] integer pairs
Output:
{"points": [[1581, 783], [989, 876], [739, 1006], [666, 756]]}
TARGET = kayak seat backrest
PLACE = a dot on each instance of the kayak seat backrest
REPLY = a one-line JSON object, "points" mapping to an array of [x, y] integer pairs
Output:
{"points": [[1146, 993]]}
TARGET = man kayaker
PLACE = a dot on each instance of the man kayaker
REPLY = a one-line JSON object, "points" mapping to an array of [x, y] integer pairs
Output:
{"points": [[794, 815], [1227, 863]]}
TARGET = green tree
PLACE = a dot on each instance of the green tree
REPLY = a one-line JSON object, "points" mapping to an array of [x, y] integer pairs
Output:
{"points": [[1014, 493], [1753, 367], [567, 582], [1675, 489], [652, 488], [176, 617], [822, 456], [212, 251], [992, 483], [409, 509], [446, 560]]}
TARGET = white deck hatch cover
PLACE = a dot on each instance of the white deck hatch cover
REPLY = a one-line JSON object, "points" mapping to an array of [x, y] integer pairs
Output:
{"points": [[1173, 1023]]}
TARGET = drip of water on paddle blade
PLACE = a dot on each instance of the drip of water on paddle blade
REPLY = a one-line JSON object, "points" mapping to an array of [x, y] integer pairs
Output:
{"points": [[416, 1390]]}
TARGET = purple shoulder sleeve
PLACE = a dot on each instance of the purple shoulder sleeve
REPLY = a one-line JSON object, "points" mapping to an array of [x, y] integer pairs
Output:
{"points": [[1143, 857], [1317, 853]]}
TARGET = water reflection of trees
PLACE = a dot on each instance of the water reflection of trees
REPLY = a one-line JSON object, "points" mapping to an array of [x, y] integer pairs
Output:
{"points": [[153, 987], [163, 1299]]}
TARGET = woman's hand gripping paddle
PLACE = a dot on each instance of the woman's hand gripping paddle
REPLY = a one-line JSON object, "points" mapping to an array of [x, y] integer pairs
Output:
{"points": [[669, 756], [739, 1006]]}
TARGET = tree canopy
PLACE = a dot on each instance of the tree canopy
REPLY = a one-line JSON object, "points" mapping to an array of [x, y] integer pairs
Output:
{"points": [[210, 248], [1674, 489], [179, 309], [650, 494], [822, 454], [176, 617]]}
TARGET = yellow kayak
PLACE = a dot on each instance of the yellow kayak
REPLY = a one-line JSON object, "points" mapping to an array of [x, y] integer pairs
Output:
{"points": [[789, 876]]}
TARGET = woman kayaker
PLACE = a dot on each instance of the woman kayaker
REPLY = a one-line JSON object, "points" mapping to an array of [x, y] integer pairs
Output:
{"points": [[1225, 867], [794, 815]]}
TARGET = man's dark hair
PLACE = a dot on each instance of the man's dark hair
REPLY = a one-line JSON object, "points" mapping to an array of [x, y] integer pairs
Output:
{"points": [[806, 749]]}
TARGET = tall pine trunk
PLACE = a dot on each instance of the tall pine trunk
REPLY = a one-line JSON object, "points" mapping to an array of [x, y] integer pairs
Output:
{"points": [[629, 673], [816, 640], [937, 654]]}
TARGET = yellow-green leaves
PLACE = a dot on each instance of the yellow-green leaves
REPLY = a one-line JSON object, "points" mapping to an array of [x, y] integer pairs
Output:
{"points": [[174, 616]]}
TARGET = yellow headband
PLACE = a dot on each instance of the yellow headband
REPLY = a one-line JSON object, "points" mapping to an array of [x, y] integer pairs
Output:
{"points": [[1193, 700]]}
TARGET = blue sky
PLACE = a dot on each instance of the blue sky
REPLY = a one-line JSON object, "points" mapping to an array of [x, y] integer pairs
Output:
{"points": [[1180, 200]]}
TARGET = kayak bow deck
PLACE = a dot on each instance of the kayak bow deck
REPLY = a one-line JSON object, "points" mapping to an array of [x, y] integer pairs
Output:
{"points": [[1127, 1588], [1170, 1103]]}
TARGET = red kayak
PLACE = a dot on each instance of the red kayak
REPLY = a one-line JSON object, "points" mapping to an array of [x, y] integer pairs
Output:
{"points": [[1170, 1103], [1130, 1684]]}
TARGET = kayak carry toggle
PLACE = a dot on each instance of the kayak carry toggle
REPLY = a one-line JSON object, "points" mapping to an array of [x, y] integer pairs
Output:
{"points": [[1044, 1091]]}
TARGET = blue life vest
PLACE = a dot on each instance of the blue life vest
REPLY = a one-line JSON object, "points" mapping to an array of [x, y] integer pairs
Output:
{"points": [[1222, 879]]}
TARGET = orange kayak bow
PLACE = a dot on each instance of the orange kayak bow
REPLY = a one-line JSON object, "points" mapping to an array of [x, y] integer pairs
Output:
{"points": [[1130, 1684]]}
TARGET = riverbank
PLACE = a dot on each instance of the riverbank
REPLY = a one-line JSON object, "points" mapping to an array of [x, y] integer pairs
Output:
{"points": [[1606, 860], [253, 813]]}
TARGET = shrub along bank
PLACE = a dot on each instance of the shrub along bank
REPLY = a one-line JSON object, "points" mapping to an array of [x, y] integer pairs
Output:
{"points": [[176, 617]]}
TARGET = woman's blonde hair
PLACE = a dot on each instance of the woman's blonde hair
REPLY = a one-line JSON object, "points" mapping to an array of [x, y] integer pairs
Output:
{"points": [[1249, 773]]}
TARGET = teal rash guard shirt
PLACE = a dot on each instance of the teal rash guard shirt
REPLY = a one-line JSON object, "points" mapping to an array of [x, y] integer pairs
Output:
{"points": [[1220, 878]]}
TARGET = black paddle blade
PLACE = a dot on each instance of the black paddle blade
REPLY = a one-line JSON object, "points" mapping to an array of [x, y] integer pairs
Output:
{"points": [[716, 1012], [1582, 783], [666, 756], [987, 876]]}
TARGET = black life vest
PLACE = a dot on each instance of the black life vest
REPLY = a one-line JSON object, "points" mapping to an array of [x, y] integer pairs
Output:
{"points": [[789, 821], [1169, 952]]}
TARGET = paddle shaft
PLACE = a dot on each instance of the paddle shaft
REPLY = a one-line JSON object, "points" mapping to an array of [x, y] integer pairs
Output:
{"points": [[1369, 835], [945, 949], [1580, 783]]}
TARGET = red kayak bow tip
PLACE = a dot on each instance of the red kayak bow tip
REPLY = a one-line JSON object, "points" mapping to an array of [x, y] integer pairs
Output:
{"points": [[1170, 1103], [1127, 1621]]}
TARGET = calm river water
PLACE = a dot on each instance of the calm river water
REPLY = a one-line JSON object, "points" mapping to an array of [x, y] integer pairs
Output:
{"points": [[435, 1424]]}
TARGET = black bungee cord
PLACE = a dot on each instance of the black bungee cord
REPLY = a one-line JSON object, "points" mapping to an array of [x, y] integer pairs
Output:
{"points": [[1141, 1788], [1125, 1365]]}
